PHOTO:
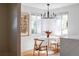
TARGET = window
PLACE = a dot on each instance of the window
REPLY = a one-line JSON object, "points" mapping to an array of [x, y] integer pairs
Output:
{"points": [[35, 24], [61, 25], [64, 24], [58, 26]]}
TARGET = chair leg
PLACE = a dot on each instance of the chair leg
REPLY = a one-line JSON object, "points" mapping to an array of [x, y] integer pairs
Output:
{"points": [[33, 52], [38, 53], [47, 53]]}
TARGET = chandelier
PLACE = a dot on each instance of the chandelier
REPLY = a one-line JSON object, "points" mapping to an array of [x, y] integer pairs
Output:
{"points": [[48, 15]]}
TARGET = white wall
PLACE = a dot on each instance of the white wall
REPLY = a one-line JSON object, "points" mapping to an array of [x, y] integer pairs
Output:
{"points": [[73, 26]]}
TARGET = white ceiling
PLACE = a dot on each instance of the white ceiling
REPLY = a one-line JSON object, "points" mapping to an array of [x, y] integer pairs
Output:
{"points": [[44, 6]]}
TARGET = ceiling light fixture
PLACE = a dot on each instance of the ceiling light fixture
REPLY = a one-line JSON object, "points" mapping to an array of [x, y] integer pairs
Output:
{"points": [[48, 15]]}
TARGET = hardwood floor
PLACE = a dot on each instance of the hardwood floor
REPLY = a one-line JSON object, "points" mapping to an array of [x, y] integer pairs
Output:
{"points": [[30, 53]]}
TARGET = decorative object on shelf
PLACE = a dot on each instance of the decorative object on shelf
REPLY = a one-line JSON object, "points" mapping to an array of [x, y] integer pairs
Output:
{"points": [[24, 25], [48, 15]]}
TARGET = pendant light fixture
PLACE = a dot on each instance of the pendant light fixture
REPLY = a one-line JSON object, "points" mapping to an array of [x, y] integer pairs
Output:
{"points": [[48, 15]]}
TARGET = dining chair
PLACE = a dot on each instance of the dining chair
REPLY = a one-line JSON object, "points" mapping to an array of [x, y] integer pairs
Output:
{"points": [[38, 46], [55, 47]]}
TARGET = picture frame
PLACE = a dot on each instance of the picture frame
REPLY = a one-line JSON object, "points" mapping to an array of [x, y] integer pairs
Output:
{"points": [[24, 25]]}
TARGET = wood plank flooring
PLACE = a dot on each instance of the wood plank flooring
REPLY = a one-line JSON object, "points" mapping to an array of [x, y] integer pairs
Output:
{"points": [[30, 53]]}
